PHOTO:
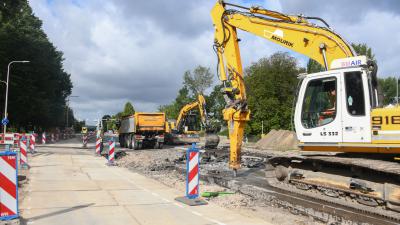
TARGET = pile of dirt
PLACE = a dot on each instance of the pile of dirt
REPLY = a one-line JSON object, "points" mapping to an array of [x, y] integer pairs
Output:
{"points": [[278, 140]]}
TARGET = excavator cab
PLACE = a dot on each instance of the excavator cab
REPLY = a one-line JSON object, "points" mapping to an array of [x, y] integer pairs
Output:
{"points": [[335, 106]]}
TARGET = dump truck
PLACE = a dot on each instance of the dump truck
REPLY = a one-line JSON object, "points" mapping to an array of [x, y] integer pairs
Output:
{"points": [[142, 129]]}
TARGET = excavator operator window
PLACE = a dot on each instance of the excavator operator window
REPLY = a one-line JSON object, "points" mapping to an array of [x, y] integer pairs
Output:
{"points": [[354, 93], [319, 103]]}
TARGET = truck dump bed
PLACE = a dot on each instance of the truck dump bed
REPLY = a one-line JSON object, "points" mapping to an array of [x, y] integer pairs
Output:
{"points": [[143, 121], [150, 121]]}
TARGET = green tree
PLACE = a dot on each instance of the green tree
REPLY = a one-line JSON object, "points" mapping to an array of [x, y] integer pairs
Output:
{"points": [[363, 49], [107, 123], [198, 80], [128, 109], [215, 103], [271, 86], [314, 67], [38, 90], [388, 87]]}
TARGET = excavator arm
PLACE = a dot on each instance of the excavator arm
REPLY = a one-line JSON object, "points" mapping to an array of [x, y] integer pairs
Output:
{"points": [[293, 32]]}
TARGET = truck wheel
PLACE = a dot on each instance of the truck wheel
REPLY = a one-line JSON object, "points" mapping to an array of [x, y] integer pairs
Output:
{"points": [[126, 138], [134, 143], [131, 141], [121, 141]]}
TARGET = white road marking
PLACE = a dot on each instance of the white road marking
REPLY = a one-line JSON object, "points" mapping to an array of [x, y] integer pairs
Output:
{"points": [[196, 213], [215, 221], [166, 200], [179, 205]]}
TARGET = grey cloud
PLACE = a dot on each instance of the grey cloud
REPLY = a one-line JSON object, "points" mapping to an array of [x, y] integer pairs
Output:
{"points": [[184, 18], [344, 10]]}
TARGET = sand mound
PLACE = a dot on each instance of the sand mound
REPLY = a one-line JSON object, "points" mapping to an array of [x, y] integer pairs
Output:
{"points": [[278, 140]]}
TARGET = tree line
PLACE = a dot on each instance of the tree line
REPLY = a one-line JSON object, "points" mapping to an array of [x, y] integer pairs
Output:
{"points": [[38, 90]]}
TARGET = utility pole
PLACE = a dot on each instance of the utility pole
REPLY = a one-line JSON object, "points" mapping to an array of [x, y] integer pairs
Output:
{"points": [[262, 128]]}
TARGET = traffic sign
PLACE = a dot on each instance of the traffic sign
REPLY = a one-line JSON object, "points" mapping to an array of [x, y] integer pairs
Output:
{"points": [[5, 121]]}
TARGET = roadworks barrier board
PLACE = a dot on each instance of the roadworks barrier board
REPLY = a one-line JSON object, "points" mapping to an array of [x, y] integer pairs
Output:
{"points": [[8, 185]]}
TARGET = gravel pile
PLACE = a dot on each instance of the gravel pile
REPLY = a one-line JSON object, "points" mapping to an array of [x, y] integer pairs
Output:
{"points": [[278, 140]]}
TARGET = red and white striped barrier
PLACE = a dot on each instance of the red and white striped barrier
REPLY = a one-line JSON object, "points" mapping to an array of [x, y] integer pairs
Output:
{"points": [[98, 144], [85, 140], [192, 186], [192, 178], [24, 156], [44, 138], [17, 137], [8, 139], [111, 153], [8, 186], [32, 143]]}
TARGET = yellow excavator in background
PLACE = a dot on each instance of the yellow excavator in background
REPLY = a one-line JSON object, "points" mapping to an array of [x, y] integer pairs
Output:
{"points": [[182, 131], [336, 110]]}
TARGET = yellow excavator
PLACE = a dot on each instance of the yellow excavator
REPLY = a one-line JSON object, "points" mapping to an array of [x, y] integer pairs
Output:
{"points": [[183, 130], [354, 122]]}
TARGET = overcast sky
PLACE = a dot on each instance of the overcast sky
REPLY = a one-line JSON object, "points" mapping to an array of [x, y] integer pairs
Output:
{"points": [[132, 50]]}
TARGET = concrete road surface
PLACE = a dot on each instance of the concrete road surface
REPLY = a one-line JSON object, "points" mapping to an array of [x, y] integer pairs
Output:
{"points": [[72, 186]]}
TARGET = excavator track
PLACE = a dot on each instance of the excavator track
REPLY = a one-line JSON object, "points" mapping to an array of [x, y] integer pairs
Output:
{"points": [[365, 182], [257, 179]]}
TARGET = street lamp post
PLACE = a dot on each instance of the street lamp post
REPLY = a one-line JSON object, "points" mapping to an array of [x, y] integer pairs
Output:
{"points": [[6, 101]]}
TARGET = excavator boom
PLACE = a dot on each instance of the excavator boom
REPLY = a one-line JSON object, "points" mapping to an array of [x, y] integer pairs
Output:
{"points": [[293, 32]]}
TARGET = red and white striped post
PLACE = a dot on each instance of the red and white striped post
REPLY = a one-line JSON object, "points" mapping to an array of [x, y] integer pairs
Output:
{"points": [[24, 155], [84, 140], [192, 188], [44, 138], [98, 146], [32, 143], [8, 186], [17, 137], [192, 178], [111, 152]]}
